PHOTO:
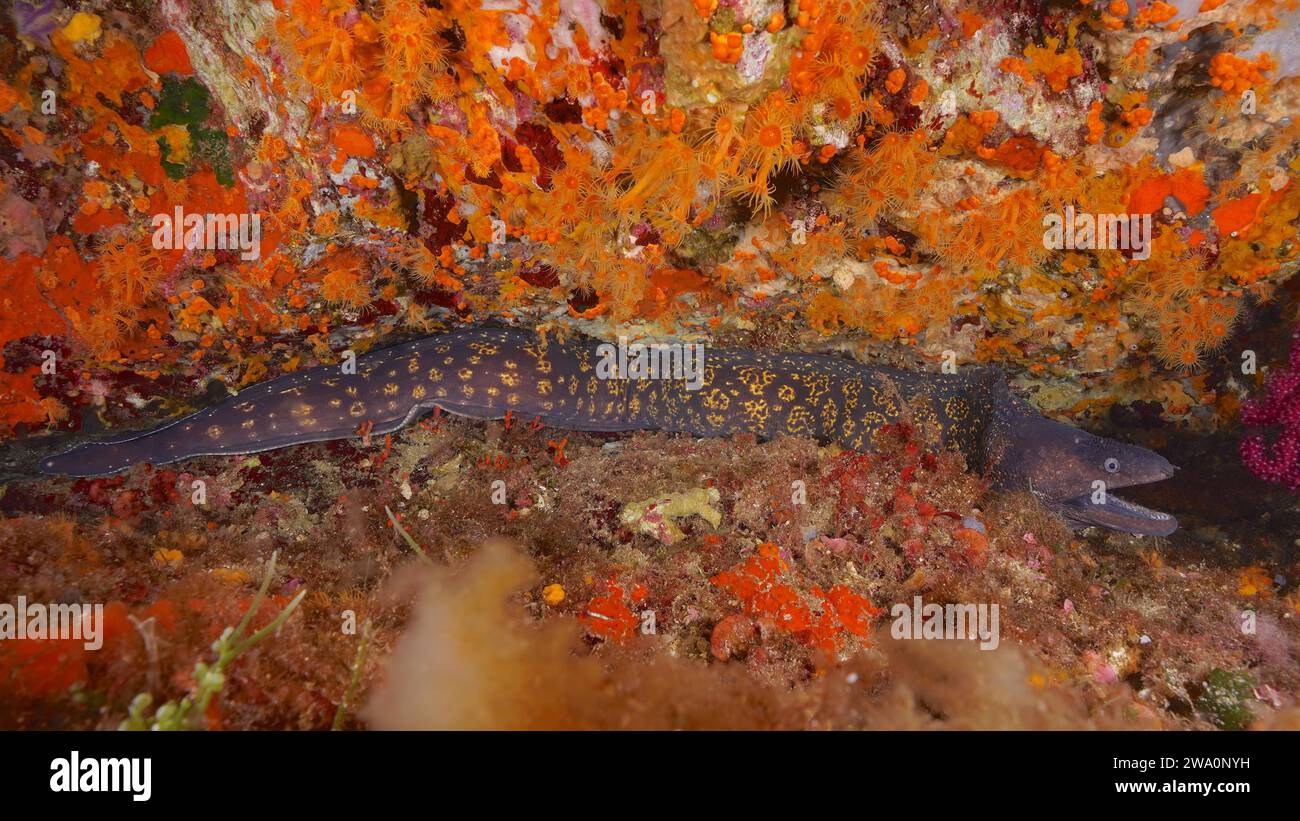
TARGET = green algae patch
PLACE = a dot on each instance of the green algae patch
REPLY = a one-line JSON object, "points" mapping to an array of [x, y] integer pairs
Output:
{"points": [[1226, 698]]}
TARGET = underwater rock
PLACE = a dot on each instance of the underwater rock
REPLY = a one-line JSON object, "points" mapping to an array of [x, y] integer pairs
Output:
{"points": [[655, 516]]}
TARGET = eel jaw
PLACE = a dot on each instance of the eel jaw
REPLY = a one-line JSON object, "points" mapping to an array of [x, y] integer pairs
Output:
{"points": [[1117, 514], [1113, 512]]}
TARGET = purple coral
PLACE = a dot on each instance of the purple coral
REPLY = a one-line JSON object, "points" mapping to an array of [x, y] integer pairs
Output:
{"points": [[36, 18], [1280, 405]]}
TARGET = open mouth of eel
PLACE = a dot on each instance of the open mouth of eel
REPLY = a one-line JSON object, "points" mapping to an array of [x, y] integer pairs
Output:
{"points": [[1105, 509]]}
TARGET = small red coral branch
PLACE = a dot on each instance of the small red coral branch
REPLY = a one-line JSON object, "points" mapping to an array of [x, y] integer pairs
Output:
{"points": [[1280, 405]]}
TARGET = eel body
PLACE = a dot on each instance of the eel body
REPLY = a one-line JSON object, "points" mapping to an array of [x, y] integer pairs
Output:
{"points": [[486, 372]]}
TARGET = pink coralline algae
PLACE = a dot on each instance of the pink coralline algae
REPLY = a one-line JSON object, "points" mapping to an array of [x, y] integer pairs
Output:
{"points": [[1280, 406]]}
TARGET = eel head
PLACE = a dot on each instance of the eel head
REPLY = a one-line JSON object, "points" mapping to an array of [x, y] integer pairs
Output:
{"points": [[1075, 472]]}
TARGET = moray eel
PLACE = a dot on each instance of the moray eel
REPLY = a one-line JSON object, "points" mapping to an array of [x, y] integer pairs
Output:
{"points": [[486, 372]]}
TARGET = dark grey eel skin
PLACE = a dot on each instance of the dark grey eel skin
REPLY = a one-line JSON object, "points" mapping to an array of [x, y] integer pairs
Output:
{"points": [[485, 372]]}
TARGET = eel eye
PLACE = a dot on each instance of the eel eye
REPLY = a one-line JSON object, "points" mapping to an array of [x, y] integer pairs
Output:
{"points": [[1112, 465]]}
